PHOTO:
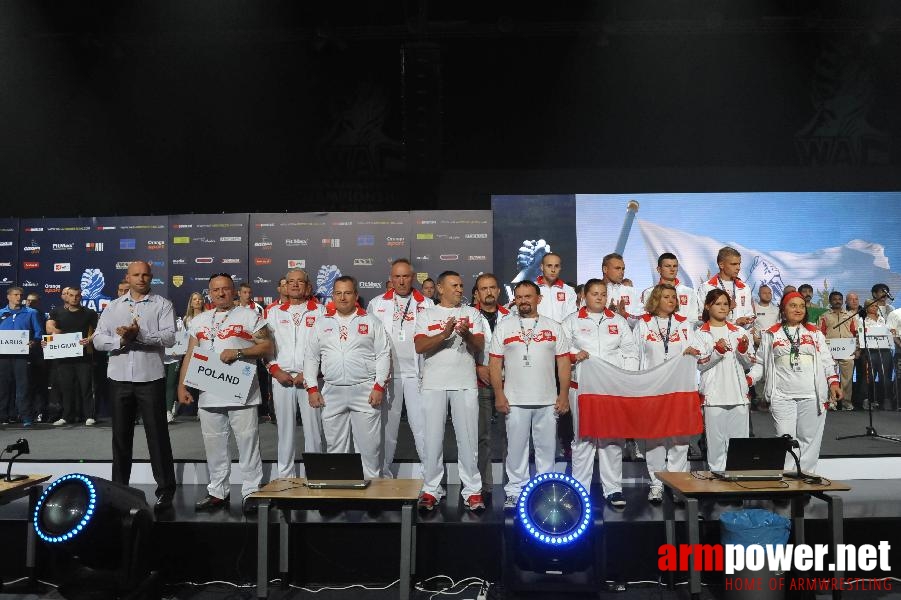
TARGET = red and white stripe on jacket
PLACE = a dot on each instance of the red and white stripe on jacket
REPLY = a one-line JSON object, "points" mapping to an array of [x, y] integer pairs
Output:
{"points": [[558, 300], [385, 309], [290, 326], [744, 302]]}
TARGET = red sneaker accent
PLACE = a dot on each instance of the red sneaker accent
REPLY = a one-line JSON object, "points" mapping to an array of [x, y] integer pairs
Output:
{"points": [[474, 502], [427, 501]]}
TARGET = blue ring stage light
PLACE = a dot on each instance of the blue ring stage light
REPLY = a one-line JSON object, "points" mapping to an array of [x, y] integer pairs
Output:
{"points": [[554, 509], [65, 508]]}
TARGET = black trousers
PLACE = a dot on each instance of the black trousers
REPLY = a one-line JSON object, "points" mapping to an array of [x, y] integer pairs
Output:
{"points": [[148, 399], [73, 379]]}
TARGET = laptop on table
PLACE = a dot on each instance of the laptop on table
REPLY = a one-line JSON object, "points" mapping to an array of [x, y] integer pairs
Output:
{"points": [[334, 471], [753, 459]]}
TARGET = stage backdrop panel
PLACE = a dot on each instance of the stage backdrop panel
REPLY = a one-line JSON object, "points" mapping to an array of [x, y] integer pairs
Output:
{"points": [[326, 246], [9, 253], [201, 245], [452, 240], [92, 253], [528, 227]]}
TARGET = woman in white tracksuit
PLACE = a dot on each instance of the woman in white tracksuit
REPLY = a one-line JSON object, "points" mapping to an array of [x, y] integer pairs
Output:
{"points": [[725, 356], [662, 334], [801, 380], [597, 331]]}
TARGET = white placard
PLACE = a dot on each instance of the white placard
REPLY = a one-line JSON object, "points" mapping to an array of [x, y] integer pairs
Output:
{"points": [[842, 348], [209, 374], [14, 341], [63, 345], [181, 344], [878, 338]]}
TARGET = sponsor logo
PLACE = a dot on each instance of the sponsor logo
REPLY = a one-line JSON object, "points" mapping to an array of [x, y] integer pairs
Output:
{"points": [[477, 257], [5, 244], [229, 238], [425, 236], [262, 261], [182, 226], [340, 223], [261, 280], [29, 283], [363, 262], [365, 240], [476, 236], [424, 257], [231, 261], [264, 244], [34, 248], [203, 260], [127, 244], [156, 263], [62, 267], [156, 244], [65, 247], [178, 261], [31, 265], [180, 239], [449, 257], [156, 281], [297, 263], [93, 247], [6, 264], [178, 280], [261, 225], [424, 222], [369, 285], [106, 228], [52, 288], [296, 242], [331, 242], [92, 284], [363, 328], [395, 242], [28, 229], [203, 240]]}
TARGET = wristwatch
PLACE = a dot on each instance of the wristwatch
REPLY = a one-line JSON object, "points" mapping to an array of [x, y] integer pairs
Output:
{"points": [[239, 355]]}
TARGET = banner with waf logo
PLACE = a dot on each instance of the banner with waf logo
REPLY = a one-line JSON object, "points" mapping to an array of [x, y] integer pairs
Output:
{"points": [[89, 253], [203, 245], [9, 253]]}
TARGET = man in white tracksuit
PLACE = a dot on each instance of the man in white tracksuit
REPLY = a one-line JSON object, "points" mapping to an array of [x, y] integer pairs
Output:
{"points": [[351, 349], [526, 353], [398, 310], [291, 323], [557, 298], [622, 299], [743, 312], [668, 268], [449, 337], [233, 333]]}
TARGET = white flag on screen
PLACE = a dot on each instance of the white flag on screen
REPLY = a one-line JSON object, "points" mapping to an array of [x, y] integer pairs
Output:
{"points": [[856, 266]]}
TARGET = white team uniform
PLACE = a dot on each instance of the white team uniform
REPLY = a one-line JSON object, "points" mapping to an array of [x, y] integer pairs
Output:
{"points": [[664, 454], [557, 301], [737, 289], [215, 332], [633, 304], [449, 377], [688, 302], [290, 325], [398, 316], [354, 356], [529, 349], [723, 388], [607, 336]]}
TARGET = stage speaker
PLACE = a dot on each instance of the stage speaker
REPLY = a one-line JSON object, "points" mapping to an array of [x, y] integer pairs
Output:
{"points": [[553, 541]]}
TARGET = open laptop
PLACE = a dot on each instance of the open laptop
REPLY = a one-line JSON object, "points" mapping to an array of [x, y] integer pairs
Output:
{"points": [[754, 459], [334, 471]]}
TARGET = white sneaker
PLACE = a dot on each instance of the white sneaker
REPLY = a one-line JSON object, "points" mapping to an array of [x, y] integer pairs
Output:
{"points": [[90, 422], [169, 416], [655, 495], [60, 422], [510, 502]]}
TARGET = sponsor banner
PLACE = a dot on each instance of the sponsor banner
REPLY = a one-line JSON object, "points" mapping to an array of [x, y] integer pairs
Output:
{"points": [[62, 345], [14, 341], [9, 252], [209, 374]]}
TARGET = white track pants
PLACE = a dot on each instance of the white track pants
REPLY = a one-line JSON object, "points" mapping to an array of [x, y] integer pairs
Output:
{"points": [[401, 390], [215, 424], [666, 454], [798, 417], [523, 422], [464, 405], [721, 424], [609, 452], [287, 401], [347, 413]]}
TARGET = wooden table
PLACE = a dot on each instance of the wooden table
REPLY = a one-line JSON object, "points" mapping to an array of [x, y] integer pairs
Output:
{"points": [[13, 490], [691, 487], [292, 494]]}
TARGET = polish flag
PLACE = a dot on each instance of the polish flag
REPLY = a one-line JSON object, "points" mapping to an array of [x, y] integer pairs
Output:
{"points": [[657, 403]]}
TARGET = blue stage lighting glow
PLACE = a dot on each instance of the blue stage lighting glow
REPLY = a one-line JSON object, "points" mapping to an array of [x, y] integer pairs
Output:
{"points": [[71, 511], [554, 509]]}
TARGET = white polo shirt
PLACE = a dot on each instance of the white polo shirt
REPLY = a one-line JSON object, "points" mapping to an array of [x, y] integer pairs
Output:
{"points": [[451, 366], [530, 348]]}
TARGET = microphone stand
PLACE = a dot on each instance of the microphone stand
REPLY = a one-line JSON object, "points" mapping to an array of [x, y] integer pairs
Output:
{"points": [[870, 430]]}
